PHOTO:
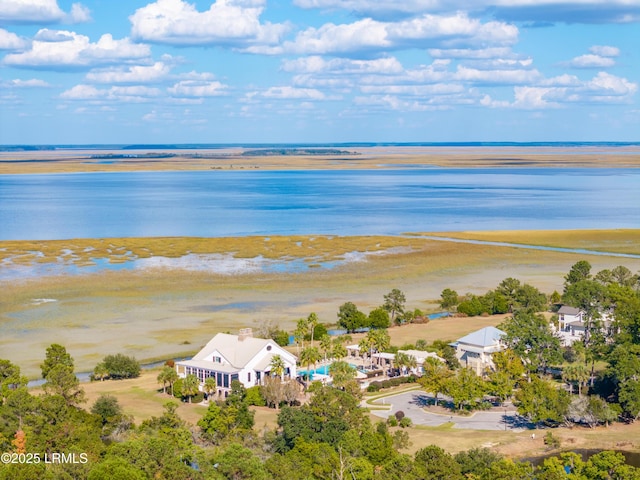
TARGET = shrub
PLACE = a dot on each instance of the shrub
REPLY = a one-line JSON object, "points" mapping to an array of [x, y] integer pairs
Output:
{"points": [[177, 388], [197, 398], [373, 387], [392, 421], [405, 422], [170, 363], [254, 396], [551, 441]]}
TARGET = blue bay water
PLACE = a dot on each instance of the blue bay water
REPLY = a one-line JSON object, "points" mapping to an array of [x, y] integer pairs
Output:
{"points": [[337, 202]]}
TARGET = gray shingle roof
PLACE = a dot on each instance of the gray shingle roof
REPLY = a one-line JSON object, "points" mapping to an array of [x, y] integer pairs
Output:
{"points": [[567, 310]]}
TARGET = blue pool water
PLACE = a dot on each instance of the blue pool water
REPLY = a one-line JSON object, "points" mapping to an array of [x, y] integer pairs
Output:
{"points": [[323, 370]]}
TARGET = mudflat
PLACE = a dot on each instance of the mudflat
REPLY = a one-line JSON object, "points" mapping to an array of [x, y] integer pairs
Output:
{"points": [[156, 312]]}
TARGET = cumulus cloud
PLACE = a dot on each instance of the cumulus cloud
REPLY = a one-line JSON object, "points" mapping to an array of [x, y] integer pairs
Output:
{"points": [[41, 12], [227, 22], [601, 56], [136, 93], [63, 49], [570, 11], [31, 83], [11, 41], [436, 31], [317, 64], [198, 88], [133, 74]]}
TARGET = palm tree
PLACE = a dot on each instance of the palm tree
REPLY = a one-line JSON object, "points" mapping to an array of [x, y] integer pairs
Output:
{"points": [[378, 340], [312, 322], [435, 377], [338, 350], [101, 371], [172, 377], [190, 386], [365, 346], [163, 377], [308, 356], [576, 373], [209, 386], [403, 360], [302, 328], [325, 345], [277, 366]]}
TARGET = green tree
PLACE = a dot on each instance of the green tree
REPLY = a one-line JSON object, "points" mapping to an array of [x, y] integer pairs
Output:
{"points": [[350, 318], [62, 381], [394, 304], [277, 366], [404, 361], [326, 345], [164, 376], [530, 337], [237, 462], [209, 386], [449, 299], [379, 318], [575, 373], [344, 377], [190, 386], [100, 371], [55, 355], [312, 323], [107, 408], [433, 462], [464, 388], [435, 377], [542, 402], [580, 270], [121, 366], [310, 356], [477, 462]]}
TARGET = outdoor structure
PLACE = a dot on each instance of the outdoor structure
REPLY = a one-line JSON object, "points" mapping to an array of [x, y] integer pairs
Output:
{"points": [[572, 324], [475, 350], [237, 357], [420, 356]]}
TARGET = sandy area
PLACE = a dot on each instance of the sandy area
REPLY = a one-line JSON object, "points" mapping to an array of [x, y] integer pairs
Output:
{"points": [[161, 313], [79, 160]]}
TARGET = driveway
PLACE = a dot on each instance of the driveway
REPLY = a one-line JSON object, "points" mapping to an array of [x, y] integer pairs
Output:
{"points": [[412, 404]]}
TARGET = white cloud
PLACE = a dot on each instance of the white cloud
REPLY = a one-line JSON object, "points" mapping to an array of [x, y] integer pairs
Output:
{"points": [[31, 83], [11, 41], [62, 49], [317, 64], [133, 74], [136, 93], [227, 22], [605, 51], [601, 56], [198, 88], [496, 77], [570, 11], [41, 12], [591, 61], [289, 93], [457, 30]]}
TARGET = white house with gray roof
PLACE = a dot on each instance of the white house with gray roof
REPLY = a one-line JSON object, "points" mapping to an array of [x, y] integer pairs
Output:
{"points": [[475, 349], [236, 357]]}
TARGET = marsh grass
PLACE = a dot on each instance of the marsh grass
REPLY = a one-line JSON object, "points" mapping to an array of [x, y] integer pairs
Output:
{"points": [[152, 313], [618, 241]]}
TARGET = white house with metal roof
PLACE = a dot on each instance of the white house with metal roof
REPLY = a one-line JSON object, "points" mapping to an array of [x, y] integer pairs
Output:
{"points": [[475, 349], [236, 357]]}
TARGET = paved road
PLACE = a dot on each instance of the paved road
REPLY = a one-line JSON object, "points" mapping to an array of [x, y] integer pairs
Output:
{"points": [[412, 403]]}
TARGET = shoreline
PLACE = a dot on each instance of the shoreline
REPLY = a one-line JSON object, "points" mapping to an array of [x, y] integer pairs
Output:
{"points": [[357, 158]]}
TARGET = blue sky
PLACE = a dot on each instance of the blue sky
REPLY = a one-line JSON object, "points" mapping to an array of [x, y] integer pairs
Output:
{"points": [[247, 71]]}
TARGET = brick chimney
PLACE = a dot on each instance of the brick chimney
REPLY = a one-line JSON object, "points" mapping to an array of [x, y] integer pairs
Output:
{"points": [[245, 333]]}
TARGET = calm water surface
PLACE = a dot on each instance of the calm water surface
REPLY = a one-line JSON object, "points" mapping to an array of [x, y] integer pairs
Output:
{"points": [[340, 202]]}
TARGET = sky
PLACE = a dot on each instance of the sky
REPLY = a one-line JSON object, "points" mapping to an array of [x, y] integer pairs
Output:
{"points": [[318, 71]]}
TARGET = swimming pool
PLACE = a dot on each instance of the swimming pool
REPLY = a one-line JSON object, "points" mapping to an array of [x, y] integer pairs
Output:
{"points": [[323, 370]]}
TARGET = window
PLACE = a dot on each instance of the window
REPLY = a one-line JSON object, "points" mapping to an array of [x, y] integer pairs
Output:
{"points": [[248, 376]]}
